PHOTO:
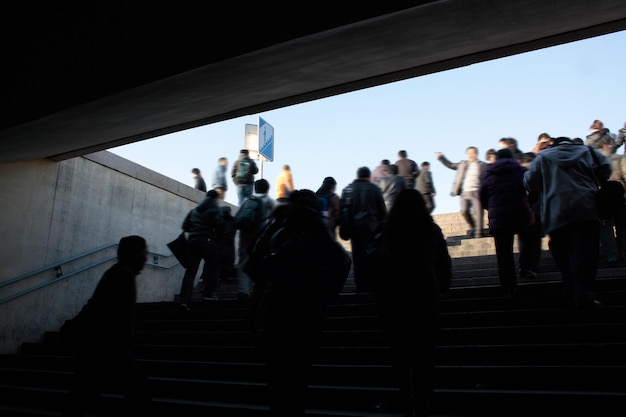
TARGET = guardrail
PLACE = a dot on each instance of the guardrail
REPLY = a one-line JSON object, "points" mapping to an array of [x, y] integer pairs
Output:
{"points": [[61, 276]]}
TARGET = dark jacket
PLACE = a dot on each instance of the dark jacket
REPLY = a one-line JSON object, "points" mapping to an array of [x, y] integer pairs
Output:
{"points": [[503, 194], [205, 221], [362, 208], [425, 183], [408, 169], [244, 169], [107, 321], [304, 270]]}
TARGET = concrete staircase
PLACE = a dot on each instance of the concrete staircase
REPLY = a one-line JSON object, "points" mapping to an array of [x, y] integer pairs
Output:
{"points": [[533, 355]]}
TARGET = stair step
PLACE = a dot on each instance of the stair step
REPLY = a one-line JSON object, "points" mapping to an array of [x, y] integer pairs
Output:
{"points": [[495, 356]]}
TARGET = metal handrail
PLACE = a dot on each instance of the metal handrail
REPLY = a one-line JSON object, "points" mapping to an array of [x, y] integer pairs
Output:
{"points": [[54, 265], [83, 269]]}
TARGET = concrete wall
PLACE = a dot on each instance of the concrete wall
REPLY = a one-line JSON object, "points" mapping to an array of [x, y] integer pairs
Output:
{"points": [[52, 211]]}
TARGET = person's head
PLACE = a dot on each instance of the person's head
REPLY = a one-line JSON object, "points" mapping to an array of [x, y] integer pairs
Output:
{"points": [[527, 158], [261, 186], [578, 141], [286, 167], [425, 165], [329, 185], [490, 155], [402, 154], [562, 139], [596, 125], [385, 162], [504, 153], [213, 195], [132, 251], [509, 143], [223, 161], [408, 216], [363, 173], [195, 172], [244, 152], [393, 169], [220, 192], [471, 153], [330, 181], [544, 137]]}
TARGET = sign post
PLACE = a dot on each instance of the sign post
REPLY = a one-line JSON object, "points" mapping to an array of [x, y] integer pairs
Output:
{"points": [[266, 140]]}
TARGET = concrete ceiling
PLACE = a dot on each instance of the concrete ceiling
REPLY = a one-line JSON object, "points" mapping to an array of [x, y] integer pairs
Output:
{"points": [[87, 76]]}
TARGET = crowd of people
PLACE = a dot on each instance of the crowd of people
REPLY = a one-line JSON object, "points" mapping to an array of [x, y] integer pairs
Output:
{"points": [[548, 192], [291, 265]]}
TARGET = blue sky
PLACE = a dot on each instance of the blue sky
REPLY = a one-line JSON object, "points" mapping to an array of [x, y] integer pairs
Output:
{"points": [[559, 90]]}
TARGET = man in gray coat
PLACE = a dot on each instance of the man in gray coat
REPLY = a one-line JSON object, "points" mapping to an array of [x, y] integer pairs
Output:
{"points": [[466, 184]]}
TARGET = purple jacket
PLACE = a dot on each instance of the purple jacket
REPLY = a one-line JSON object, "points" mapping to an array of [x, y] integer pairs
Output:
{"points": [[503, 195]]}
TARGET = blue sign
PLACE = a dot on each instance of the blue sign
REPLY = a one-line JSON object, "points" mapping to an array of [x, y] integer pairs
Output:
{"points": [[266, 139]]}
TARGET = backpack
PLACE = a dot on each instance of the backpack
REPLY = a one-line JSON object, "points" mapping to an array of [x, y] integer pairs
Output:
{"points": [[243, 171], [250, 215], [324, 208]]}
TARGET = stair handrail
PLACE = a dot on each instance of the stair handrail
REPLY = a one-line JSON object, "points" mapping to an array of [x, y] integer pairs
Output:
{"points": [[63, 276], [56, 264]]}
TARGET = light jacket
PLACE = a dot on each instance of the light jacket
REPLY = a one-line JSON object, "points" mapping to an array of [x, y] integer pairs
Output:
{"points": [[461, 170]]}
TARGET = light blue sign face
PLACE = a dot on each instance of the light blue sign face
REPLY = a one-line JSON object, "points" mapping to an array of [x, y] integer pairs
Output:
{"points": [[266, 139]]}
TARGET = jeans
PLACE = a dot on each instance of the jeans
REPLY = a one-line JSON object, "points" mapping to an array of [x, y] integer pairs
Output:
{"points": [[244, 191]]}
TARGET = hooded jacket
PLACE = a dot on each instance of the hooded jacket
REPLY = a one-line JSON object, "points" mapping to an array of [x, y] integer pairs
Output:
{"points": [[565, 177], [503, 194]]}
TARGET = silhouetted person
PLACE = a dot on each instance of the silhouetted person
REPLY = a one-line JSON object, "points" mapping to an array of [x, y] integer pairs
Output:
{"points": [[247, 237], [227, 245], [243, 171], [306, 269], [330, 214], [407, 168], [565, 175], [391, 185], [426, 186], [362, 209], [503, 194], [204, 226], [219, 179], [412, 271], [199, 183], [103, 338], [466, 184]]}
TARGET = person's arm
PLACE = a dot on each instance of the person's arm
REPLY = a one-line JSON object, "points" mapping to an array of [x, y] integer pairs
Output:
{"points": [[532, 177], [621, 136], [233, 171], [441, 158]]}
